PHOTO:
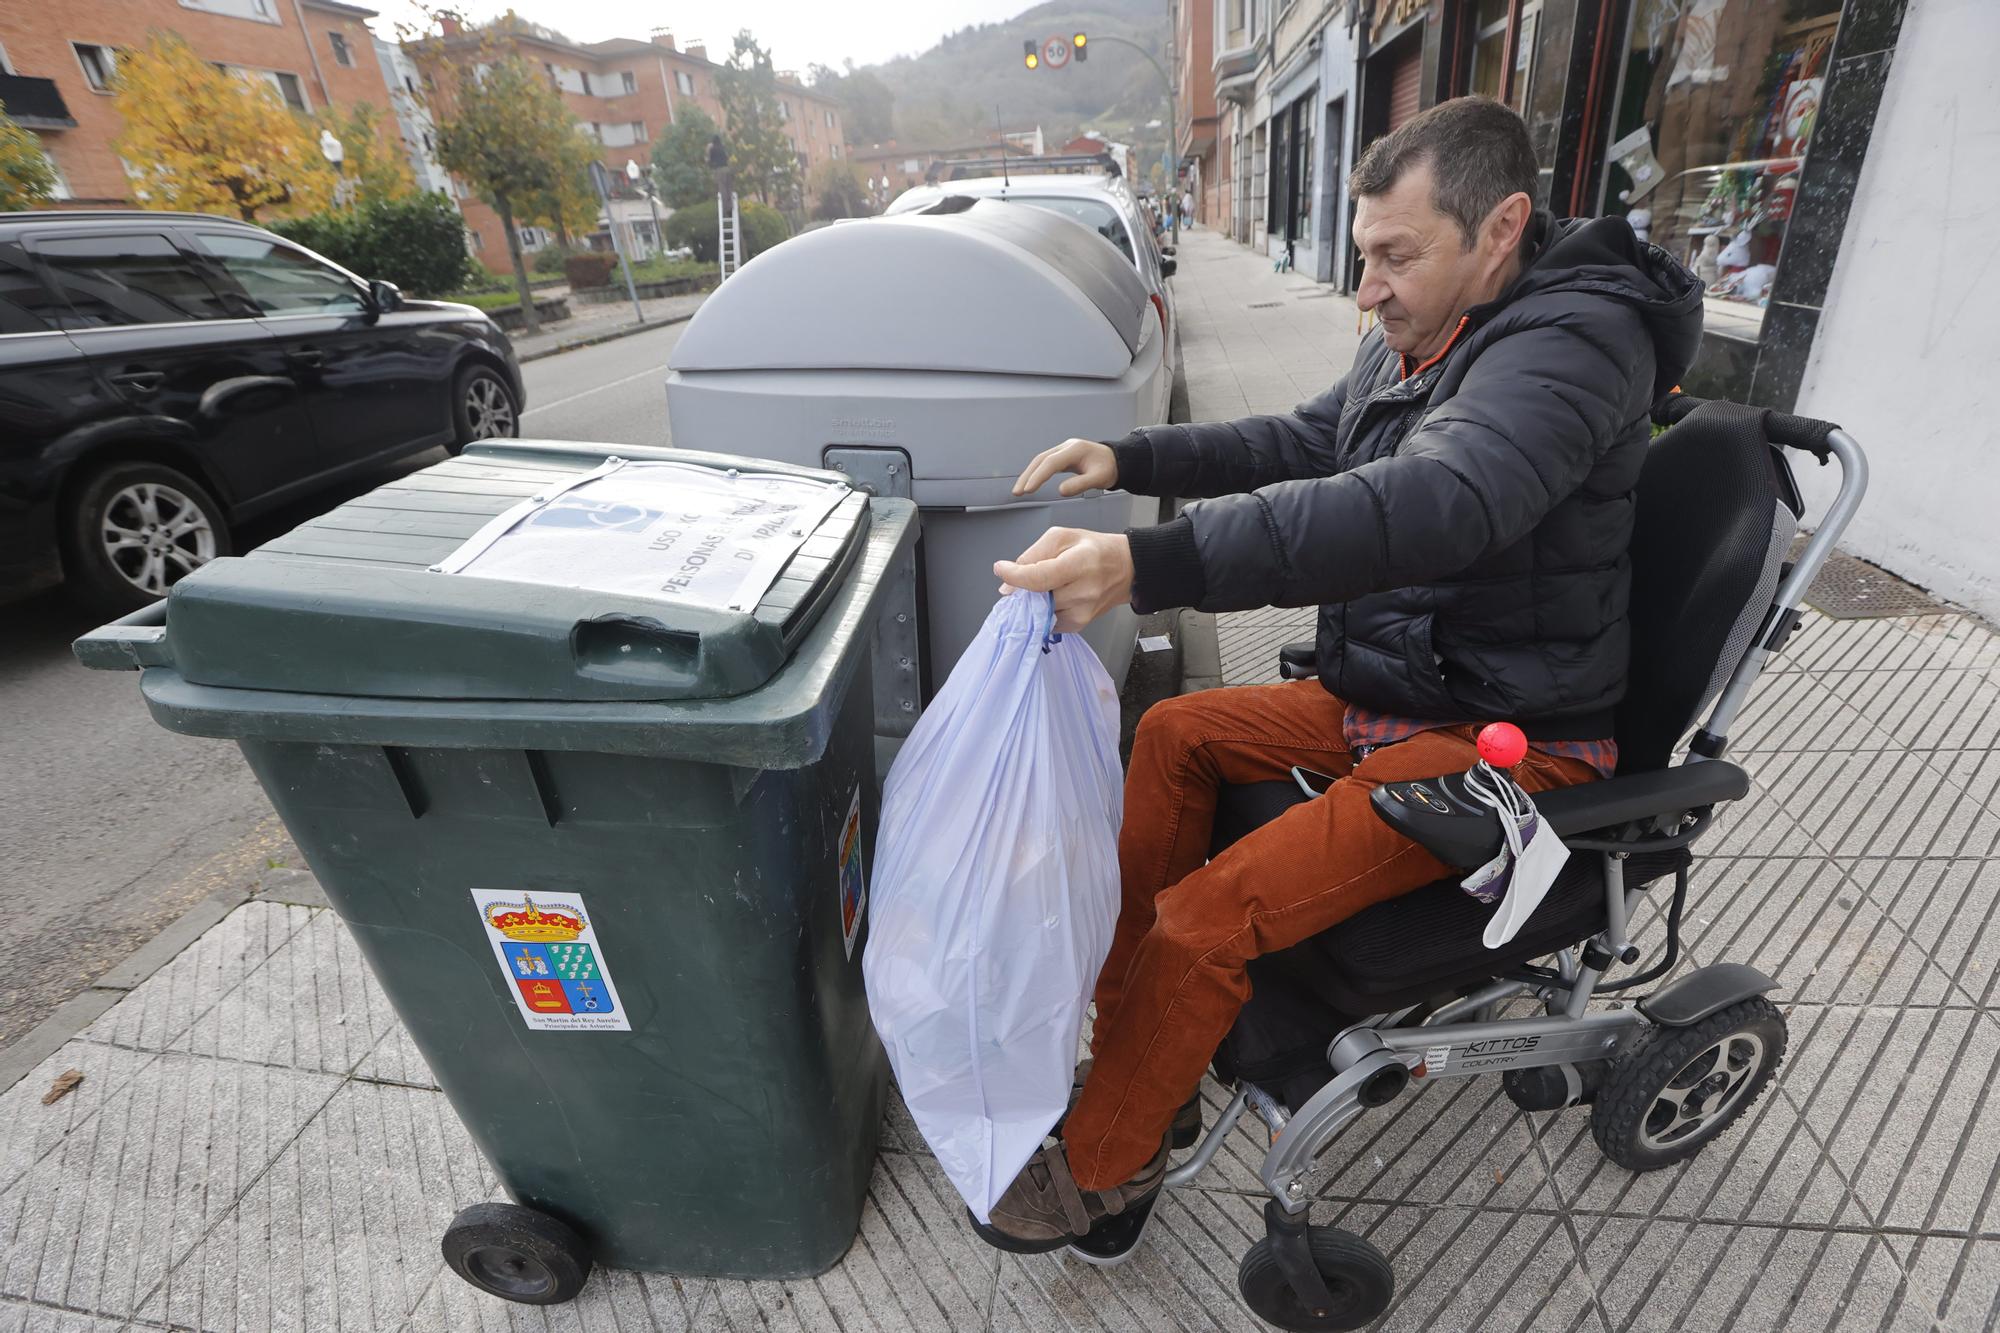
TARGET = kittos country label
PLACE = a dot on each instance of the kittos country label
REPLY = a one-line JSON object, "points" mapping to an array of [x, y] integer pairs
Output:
{"points": [[552, 959]]}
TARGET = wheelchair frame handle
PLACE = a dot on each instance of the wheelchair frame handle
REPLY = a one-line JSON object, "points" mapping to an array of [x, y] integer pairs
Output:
{"points": [[1806, 434]]}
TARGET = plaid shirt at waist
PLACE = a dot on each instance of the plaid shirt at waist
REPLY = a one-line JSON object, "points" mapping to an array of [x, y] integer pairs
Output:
{"points": [[1366, 729]]}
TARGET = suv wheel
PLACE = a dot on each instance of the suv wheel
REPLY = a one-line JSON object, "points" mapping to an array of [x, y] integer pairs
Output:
{"points": [[483, 407], [135, 530]]}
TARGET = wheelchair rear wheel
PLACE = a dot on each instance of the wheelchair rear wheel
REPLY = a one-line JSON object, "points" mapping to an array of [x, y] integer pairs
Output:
{"points": [[1676, 1089], [1356, 1273]]}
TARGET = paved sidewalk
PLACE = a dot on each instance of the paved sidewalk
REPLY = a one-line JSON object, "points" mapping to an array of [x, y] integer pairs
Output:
{"points": [[592, 322], [256, 1145]]}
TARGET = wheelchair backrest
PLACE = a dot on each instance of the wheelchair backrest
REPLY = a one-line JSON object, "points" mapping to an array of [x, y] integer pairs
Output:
{"points": [[1717, 511]]}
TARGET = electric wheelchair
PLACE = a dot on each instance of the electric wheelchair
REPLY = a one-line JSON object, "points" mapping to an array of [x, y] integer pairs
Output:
{"points": [[1406, 992]]}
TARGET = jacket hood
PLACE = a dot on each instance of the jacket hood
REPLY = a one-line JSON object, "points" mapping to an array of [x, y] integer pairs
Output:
{"points": [[1603, 256]]}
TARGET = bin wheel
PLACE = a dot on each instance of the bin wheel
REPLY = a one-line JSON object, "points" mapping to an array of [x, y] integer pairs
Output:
{"points": [[1356, 1273], [517, 1254]]}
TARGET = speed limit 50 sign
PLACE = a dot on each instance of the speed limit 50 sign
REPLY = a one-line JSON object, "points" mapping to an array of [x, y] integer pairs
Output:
{"points": [[1055, 52]]}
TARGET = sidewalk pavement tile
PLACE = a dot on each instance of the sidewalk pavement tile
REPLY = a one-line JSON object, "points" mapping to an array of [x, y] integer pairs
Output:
{"points": [[164, 1006], [100, 1220], [342, 1229], [312, 1004], [396, 1059]]}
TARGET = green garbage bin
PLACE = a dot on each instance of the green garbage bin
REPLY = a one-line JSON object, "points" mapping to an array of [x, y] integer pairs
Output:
{"points": [[605, 853]]}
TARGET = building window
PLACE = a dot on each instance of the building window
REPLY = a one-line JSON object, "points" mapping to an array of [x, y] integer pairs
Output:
{"points": [[291, 90], [631, 83], [784, 110], [836, 150], [1716, 105], [100, 65], [684, 83], [6, 65], [342, 54], [638, 131], [478, 241]]}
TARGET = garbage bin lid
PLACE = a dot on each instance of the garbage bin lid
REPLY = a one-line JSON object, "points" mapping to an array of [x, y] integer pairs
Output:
{"points": [[997, 288], [379, 597]]}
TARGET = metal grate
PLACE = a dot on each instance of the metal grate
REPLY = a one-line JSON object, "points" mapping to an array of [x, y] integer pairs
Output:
{"points": [[1265, 305], [1848, 588]]}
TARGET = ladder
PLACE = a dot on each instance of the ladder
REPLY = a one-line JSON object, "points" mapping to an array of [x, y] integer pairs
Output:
{"points": [[729, 225]]}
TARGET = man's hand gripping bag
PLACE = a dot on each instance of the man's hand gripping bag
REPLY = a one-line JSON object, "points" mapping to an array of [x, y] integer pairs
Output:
{"points": [[995, 891]]}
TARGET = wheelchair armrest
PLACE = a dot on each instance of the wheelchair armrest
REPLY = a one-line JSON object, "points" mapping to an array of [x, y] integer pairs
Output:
{"points": [[1634, 796], [1299, 661], [1444, 818]]}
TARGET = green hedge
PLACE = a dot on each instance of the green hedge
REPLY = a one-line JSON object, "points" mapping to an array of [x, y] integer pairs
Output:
{"points": [[694, 227], [416, 242]]}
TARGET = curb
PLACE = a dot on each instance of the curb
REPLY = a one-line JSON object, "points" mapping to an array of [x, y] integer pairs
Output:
{"points": [[622, 331], [79, 1011], [73, 1015]]}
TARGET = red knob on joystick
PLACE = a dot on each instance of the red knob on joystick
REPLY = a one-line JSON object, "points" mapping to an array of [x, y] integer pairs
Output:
{"points": [[1501, 744]]}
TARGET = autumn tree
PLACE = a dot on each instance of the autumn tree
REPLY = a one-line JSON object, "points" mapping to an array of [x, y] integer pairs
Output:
{"points": [[765, 162], [26, 178], [680, 158], [837, 191], [571, 205], [503, 129], [374, 164], [201, 140]]}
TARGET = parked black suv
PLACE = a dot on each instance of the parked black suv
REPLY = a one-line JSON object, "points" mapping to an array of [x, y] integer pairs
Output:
{"points": [[166, 375]]}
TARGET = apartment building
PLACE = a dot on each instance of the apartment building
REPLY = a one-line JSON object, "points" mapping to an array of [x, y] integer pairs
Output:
{"points": [[624, 92], [57, 62]]}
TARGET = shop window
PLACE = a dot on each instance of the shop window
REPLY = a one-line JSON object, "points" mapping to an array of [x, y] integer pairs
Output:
{"points": [[1716, 108]]}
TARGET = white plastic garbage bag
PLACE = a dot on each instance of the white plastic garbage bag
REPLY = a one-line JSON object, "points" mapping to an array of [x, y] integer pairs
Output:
{"points": [[996, 888]]}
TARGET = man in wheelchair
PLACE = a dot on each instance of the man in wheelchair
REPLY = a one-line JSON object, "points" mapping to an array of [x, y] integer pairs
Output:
{"points": [[1459, 507]]}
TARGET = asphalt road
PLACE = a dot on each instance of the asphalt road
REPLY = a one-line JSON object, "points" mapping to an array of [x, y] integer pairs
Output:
{"points": [[110, 826]]}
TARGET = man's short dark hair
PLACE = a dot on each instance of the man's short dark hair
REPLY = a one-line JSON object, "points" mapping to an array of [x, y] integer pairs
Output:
{"points": [[1478, 150]]}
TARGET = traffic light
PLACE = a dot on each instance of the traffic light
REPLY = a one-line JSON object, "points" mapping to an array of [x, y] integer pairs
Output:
{"points": [[1030, 55], [1079, 48]]}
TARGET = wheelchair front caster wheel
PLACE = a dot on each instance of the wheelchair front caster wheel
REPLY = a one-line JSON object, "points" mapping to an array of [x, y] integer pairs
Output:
{"points": [[1675, 1089], [517, 1254], [1356, 1275]]}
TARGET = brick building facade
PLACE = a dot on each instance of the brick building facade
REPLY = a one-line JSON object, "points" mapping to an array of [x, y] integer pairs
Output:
{"points": [[56, 61], [625, 92]]}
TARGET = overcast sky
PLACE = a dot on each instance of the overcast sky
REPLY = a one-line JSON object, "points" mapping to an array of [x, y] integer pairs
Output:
{"points": [[798, 32]]}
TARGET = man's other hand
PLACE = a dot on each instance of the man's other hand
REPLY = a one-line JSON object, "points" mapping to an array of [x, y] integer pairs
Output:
{"points": [[1094, 464], [1088, 573]]}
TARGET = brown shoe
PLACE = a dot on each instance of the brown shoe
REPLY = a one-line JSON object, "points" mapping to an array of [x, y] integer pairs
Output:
{"points": [[1187, 1121], [1044, 1209]]}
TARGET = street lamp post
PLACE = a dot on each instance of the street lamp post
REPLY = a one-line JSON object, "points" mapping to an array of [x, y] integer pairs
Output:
{"points": [[601, 178], [1173, 133]]}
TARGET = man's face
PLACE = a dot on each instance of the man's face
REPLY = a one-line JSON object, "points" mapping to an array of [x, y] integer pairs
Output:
{"points": [[1420, 275]]}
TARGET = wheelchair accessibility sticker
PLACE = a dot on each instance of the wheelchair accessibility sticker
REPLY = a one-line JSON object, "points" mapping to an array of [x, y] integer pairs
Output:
{"points": [[553, 960], [853, 881]]}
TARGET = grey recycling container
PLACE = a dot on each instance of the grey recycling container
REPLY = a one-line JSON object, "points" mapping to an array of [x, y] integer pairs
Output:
{"points": [[933, 355], [605, 854]]}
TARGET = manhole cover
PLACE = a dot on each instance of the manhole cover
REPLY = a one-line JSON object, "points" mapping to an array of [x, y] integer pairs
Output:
{"points": [[1265, 305], [1848, 588]]}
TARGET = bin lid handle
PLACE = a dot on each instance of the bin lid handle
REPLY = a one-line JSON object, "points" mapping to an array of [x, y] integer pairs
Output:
{"points": [[129, 642]]}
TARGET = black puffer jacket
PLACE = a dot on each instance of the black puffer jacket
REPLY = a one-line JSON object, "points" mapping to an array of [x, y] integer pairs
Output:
{"points": [[1464, 529]]}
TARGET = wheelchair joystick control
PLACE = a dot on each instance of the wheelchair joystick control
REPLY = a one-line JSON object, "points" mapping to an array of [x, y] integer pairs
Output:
{"points": [[1501, 744]]}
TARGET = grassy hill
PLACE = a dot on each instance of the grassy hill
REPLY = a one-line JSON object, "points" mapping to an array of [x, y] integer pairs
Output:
{"points": [[949, 93]]}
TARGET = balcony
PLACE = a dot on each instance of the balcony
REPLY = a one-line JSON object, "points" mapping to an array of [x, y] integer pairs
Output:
{"points": [[1236, 71], [35, 104]]}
